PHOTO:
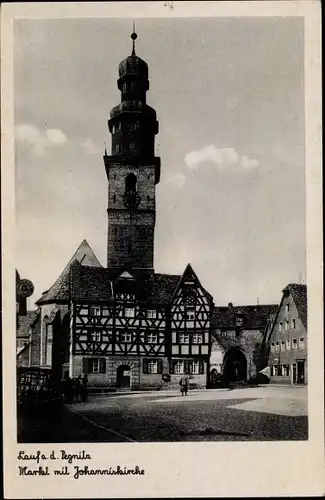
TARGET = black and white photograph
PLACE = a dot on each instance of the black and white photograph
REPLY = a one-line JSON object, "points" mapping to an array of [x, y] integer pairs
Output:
{"points": [[160, 261]]}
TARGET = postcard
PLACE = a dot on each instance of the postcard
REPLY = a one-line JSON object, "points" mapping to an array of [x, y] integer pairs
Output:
{"points": [[162, 249]]}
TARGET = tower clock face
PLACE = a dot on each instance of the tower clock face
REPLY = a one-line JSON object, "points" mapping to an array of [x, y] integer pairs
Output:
{"points": [[131, 199]]}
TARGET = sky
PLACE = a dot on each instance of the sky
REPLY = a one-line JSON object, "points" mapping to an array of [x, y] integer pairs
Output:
{"points": [[229, 96]]}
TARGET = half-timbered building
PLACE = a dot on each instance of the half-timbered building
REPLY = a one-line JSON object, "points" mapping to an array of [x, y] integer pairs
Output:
{"points": [[126, 325]]}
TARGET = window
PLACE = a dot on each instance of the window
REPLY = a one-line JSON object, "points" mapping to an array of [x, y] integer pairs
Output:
{"points": [[223, 334], [287, 308], [293, 324], [94, 311], [94, 365], [152, 338], [277, 347], [301, 343], [294, 344], [273, 347], [279, 370], [283, 345], [130, 183], [183, 338], [286, 325], [280, 326], [129, 312], [239, 321], [194, 367], [288, 345], [114, 198], [96, 336], [117, 148], [197, 338], [151, 313], [285, 370], [105, 311], [275, 370], [152, 366], [126, 337], [190, 314], [179, 367]]}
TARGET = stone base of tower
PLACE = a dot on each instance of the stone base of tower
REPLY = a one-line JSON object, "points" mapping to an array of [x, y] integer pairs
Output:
{"points": [[127, 373]]}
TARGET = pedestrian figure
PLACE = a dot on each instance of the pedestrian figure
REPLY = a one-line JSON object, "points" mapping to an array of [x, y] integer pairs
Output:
{"points": [[76, 388], [184, 384], [84, 388], [67, 388]]}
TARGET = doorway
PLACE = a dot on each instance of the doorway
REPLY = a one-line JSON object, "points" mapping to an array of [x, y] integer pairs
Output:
{"points": [[301, 371], [123, 377], [235, 365]]}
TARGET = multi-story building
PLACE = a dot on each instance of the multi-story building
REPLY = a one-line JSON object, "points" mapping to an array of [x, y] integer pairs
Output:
{"points": [[288, 338], [237, 334], [126, 325]]}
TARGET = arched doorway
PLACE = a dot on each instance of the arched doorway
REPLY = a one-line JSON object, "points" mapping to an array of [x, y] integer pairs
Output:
{"points": [[235, 365], [123, 377]]}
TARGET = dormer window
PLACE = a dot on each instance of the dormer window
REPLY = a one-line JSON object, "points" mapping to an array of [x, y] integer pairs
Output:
{"points": [[239, 321]]}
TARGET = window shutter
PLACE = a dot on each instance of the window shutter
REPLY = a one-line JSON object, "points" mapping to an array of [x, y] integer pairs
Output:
{"points": [[201, 367], [186, 367], [160, 366], [172, 366], [145, 365], [86, 365], [102, 365]]}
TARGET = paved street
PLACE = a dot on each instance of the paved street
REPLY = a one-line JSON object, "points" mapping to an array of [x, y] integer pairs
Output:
{"points": [[262, 413]]}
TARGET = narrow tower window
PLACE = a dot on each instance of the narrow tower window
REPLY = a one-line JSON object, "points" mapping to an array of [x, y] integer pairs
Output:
{"points": [[131, 183]]}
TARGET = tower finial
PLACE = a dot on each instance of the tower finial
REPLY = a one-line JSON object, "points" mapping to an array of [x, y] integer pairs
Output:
{"points": [[134, 36]]}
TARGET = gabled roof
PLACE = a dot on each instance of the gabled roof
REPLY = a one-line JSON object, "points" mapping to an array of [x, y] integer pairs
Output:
{"points": [[60, 290], [255, 316], [100, 284], [299, 296], [25, 322]]}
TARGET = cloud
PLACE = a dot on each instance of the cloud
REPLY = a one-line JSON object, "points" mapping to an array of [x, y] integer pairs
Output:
{"points": [[37, 140], [222, 157], [249, 163], [90, 147]]}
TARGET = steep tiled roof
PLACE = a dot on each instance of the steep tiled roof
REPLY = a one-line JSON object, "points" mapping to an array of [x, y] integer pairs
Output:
{"points": [[299, 295], [60, 290], [255, 317], [99, 284], [25, 322]]}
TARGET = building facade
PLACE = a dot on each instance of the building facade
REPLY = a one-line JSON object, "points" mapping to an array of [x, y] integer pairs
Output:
{"points": [[287, 341], [125, 325], [237, 340]]}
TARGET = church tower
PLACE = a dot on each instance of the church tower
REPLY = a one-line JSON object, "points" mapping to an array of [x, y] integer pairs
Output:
{"points": [[132, 170]]}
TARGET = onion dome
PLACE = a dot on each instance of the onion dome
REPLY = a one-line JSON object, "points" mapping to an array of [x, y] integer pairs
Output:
{"points": [[133, 65]]}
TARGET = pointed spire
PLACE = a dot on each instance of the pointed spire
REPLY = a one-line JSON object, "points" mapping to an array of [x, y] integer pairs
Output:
{"points": [[134, 36]]}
